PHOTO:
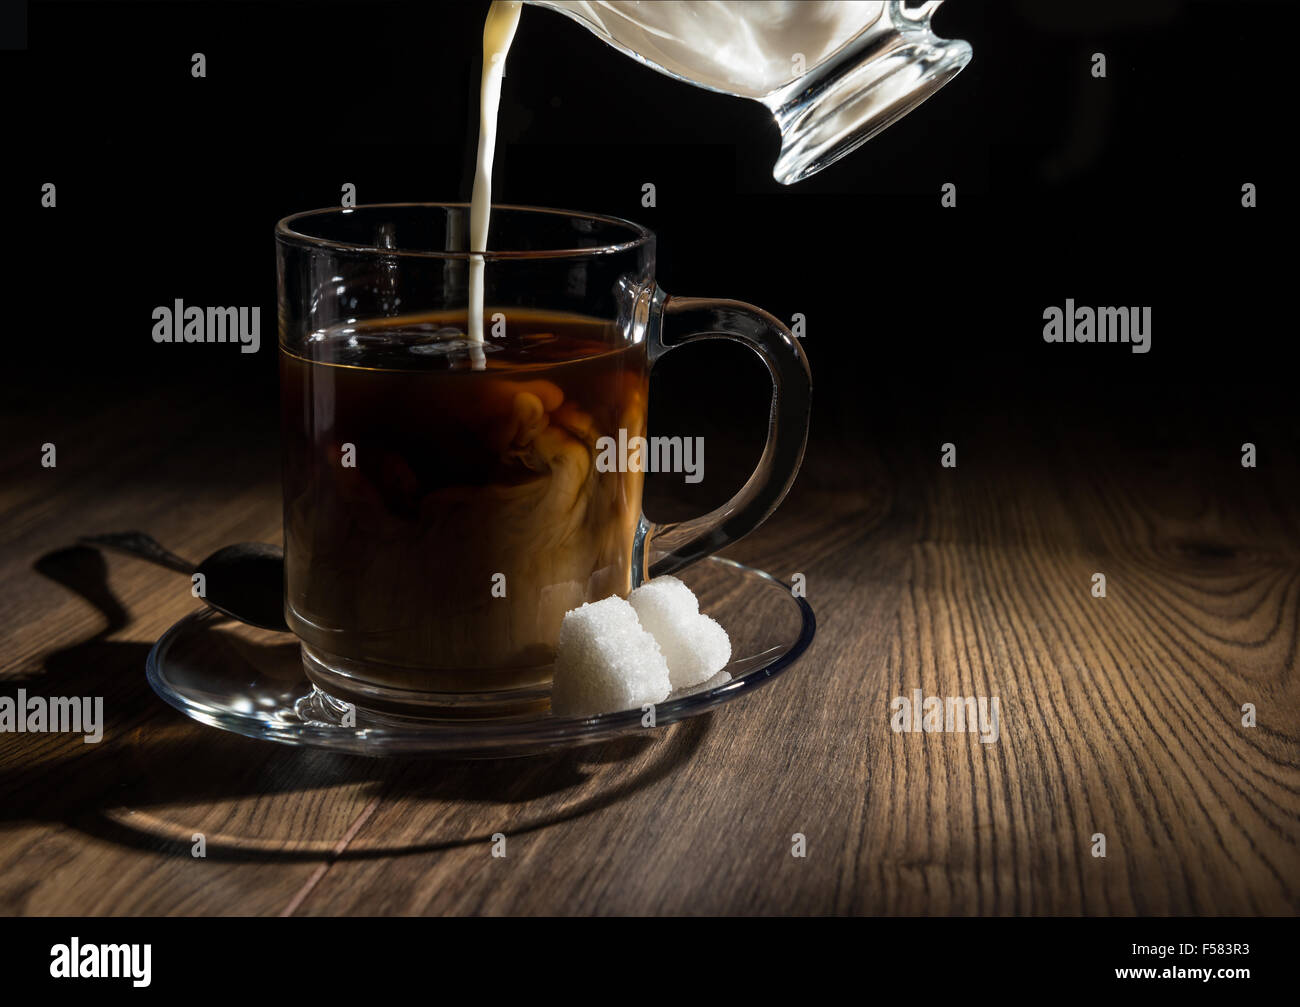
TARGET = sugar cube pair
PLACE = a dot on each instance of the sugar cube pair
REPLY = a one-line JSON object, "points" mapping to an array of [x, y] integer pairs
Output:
{"points": [[620, 655]]}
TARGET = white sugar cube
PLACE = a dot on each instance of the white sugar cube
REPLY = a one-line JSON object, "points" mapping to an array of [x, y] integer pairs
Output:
{"points": [[694, 645], [605, 661]]}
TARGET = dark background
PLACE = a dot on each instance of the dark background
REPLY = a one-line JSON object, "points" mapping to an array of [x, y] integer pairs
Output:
{"points": [[923, 322]]}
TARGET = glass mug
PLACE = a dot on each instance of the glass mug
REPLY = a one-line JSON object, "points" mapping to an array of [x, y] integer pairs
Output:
{"points": [[447, 501]]}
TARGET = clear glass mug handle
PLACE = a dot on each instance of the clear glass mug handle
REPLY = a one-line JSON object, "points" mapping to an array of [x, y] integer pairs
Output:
{"points": [[677, 321]]}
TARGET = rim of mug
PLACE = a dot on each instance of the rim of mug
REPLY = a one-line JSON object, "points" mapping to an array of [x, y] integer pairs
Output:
{"points": [[285, 232]]}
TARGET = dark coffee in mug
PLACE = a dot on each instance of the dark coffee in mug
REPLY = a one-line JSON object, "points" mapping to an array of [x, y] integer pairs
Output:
{"points": [[443, 506]]}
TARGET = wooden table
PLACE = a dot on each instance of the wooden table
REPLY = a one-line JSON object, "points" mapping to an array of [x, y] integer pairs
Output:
{"points": [[1119, 715]]}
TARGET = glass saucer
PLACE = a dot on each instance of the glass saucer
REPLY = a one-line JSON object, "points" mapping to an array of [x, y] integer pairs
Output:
{"points": [[251, 681]]}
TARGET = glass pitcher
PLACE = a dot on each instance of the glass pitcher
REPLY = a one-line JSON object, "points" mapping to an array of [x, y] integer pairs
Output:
{"points": [[833, 72]]}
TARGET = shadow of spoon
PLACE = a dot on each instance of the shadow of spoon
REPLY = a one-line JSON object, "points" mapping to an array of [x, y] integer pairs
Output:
{"points": [[244, 581]]}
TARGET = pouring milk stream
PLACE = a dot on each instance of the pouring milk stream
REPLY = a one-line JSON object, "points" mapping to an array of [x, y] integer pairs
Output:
{"points": [[498, 33]]}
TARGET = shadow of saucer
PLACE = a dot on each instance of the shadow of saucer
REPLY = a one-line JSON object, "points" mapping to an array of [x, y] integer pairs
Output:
{"points": [[436, 804], [156, 779]]}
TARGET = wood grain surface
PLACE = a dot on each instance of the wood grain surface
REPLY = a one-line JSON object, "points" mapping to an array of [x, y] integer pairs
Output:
{"points": [[1118, 715]]}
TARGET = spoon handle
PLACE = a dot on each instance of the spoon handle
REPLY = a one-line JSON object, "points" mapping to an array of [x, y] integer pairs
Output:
{"points": [[140, 545]]}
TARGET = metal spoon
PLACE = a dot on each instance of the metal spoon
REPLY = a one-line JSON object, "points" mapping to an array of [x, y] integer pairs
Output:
{"points": [[244, 581]]}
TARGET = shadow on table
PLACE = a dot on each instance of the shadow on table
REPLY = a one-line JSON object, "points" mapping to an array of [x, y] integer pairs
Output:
{"points": [[157, 778]]}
